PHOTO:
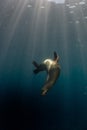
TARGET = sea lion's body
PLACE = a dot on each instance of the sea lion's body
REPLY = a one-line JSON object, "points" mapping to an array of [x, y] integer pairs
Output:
{"points": [[53, 71]]}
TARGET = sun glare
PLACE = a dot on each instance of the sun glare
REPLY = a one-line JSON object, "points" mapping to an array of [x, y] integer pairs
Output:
{"points": [[58, 1]]}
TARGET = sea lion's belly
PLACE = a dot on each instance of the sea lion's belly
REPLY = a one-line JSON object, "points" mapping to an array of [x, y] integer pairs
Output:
{"points": [[54, 73]]}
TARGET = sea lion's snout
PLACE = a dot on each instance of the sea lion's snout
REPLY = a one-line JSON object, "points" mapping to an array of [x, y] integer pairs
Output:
{"points": [[44, 92]]}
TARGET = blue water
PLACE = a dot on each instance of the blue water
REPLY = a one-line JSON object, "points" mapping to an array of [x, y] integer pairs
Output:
{"points": [[27, 33]]}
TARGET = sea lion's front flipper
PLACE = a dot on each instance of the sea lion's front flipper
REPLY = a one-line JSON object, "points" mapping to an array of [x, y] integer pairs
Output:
{"points": [[55, 55]]}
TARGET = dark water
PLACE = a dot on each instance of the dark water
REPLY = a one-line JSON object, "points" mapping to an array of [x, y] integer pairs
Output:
{"points": [[33, 33]]}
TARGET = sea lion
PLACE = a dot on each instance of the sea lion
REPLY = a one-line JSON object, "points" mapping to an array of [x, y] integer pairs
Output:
{"points": [[53, 71]]}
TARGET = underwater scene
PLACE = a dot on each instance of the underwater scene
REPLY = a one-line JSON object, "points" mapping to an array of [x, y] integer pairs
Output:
{"points": [[49, 35]]}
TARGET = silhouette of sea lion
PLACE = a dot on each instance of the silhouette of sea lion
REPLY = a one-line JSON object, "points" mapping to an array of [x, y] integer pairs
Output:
{"points": [[53, 71]]}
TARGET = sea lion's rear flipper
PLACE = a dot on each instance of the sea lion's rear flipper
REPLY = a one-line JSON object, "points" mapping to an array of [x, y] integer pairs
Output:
{"points": [[35, 64], [36, 71], [39, 68]]}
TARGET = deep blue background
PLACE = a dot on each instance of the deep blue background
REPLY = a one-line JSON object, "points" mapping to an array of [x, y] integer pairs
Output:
{"points": [[28, 34]]}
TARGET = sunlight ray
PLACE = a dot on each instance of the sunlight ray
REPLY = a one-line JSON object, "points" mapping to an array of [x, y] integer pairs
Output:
{"points": [[36, 20], [80, 29], [65, 40], [12, 26]]}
